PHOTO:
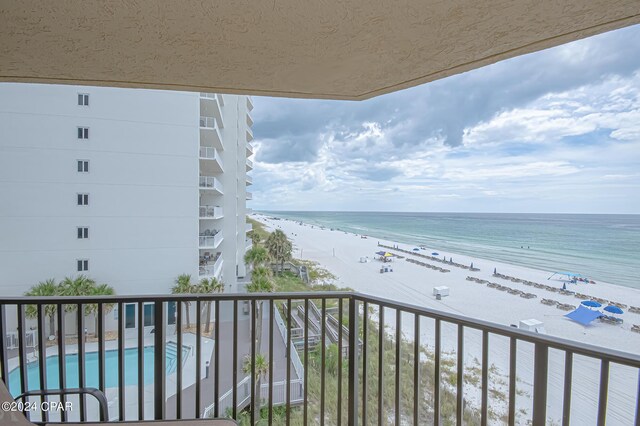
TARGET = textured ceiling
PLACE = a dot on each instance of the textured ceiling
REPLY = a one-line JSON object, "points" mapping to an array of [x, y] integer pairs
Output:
{"points": [[322, 49]]}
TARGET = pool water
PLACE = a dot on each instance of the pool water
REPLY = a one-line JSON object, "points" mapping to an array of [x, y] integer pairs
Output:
{"points": [[91, 369]]}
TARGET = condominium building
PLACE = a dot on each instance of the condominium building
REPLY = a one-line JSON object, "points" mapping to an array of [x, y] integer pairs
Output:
{"points": [[130, 187]]}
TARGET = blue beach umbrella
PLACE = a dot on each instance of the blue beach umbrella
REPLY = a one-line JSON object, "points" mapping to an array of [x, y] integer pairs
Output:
{"points": [[614, 309], [591, 303]]}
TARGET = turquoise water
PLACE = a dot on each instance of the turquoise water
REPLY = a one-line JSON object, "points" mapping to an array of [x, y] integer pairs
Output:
{"points": [[603, 247], [91, 369]]}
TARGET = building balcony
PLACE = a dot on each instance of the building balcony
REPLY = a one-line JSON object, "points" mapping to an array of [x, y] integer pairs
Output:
{"points": [[248, 245], [249, 103], [210, 106], [250, 150], [211, 212], [249, 165], [210, 239], [249, 227], [249, 180], [249, 196], [249, 120], [210, 133], [210, 183], [210, 266], [392, 361], [210, 159], [249, 134]]}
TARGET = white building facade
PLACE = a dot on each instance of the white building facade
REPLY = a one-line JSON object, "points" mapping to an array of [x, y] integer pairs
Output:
{"points": [[129, 187]]}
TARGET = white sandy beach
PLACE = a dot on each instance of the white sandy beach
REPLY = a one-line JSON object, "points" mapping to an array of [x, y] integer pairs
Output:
{"points": [[340, 253]]}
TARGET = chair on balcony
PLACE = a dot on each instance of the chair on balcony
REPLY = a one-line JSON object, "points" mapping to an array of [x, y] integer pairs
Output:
{"points": [[16, 418]]}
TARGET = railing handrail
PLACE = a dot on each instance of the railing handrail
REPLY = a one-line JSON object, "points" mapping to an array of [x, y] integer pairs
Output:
{"points": [[580, 348]]}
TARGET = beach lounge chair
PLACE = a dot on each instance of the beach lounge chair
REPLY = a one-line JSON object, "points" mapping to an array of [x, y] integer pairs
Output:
{"points": [[16, 418]]}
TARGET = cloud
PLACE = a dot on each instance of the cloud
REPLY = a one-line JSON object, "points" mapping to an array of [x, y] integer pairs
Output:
{"points": [[561, 123]]}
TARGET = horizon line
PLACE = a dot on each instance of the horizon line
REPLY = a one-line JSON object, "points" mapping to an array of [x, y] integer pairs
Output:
{"points": [[447, 212]]}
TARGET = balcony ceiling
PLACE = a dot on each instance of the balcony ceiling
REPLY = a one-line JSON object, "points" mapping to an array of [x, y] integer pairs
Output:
{"points": [[323, 49]]}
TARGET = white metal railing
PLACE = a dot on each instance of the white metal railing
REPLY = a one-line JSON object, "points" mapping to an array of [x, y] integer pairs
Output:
{"points": [[250, 163], [210, 241], [211, 211], [249, 103], [249, 134], [249, 120], [210, 153], [249, 196], [210, 182], [208, 122], [243, 393], [295, 358], [208, 95], [250, 149], [249, 227], [212, 270], [249, 179]]}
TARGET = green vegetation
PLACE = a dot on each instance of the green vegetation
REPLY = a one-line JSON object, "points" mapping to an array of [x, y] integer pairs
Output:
{"points": [[279, 247], [322, 280], [69, 287], [183, 285], [44, 288], [258, 230]]}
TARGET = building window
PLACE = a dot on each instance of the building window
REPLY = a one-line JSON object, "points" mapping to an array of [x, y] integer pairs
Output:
{"points": [[130, 315], [83, 133], [83, 232], [83, 99], [83, 199], [149, 316], [83, 265], [83, 166]]}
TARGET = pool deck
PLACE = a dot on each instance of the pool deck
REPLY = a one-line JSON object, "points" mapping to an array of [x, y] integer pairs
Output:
{"points": [[188, 370]]}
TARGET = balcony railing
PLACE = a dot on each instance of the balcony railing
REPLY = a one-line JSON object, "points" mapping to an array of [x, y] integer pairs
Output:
{"points": [[212, 212], [249, 165], [249, 227], [210, 182], [249, 196], [211, 266], [210, 153], [249, 134], [249, 180], [207, 95], [208, 122], [398, 363], [210, 239]]}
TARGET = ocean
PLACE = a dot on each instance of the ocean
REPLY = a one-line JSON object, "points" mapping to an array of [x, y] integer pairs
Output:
{"points": [[602, 247]]}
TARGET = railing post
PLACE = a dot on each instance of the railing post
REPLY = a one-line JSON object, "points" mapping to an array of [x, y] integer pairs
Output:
{"points": [[352, 419], [159, 367], [540, 372]]}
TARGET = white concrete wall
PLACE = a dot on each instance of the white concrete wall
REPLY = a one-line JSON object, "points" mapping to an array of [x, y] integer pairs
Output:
{"points": [[143, 153]]}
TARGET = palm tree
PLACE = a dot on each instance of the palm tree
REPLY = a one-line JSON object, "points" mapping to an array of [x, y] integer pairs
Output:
{"points": [[260, 283], [255, 238], [183, 286], [279, 247], [100, 290], [44, 288], [78, 286], [208, 286], [261, 370], [256, 256]]}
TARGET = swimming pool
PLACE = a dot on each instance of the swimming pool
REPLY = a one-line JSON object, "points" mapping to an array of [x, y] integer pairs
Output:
{"points": [[91, 369]]}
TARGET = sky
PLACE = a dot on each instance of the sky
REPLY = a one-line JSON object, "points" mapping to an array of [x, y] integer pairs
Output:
{"points": [[556, 131]]}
